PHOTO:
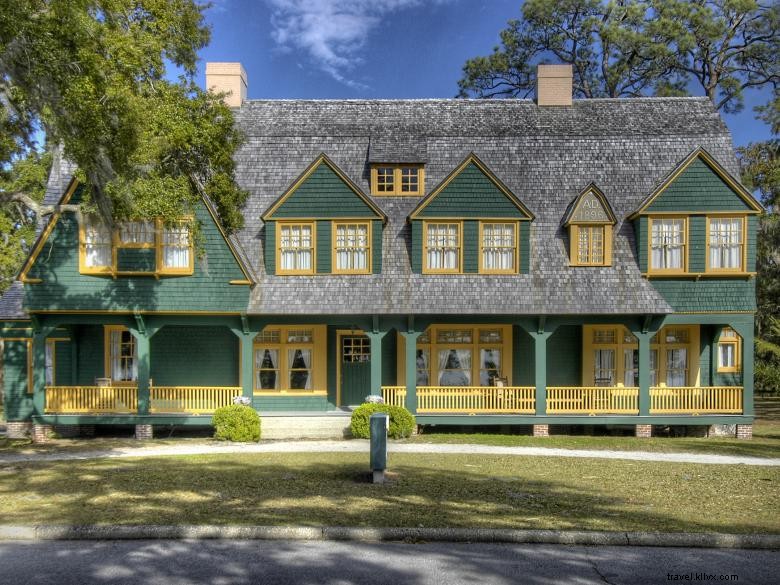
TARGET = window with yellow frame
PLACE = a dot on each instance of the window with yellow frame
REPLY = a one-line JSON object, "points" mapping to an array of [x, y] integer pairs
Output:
{"points": [[351, 247], [590, 244], [668, 245], [726, 244], [295, 248], [498, 247], [121, 355], [397, 179], [442, 247], [290, 359], [729, 351]]}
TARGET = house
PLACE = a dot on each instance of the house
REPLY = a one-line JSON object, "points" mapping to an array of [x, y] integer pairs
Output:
{"points": [[497, 262]]}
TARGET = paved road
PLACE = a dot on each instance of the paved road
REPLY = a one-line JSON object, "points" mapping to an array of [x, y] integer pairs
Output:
{"points": [[361, 446], [340, 563]]}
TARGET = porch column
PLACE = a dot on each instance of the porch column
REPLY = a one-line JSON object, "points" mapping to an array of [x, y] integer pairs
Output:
{"points": [[745, 331], [644, 371], [247, 363], [410, 339], [540, 369], [376, 360], [144, 367], [40, 333]]}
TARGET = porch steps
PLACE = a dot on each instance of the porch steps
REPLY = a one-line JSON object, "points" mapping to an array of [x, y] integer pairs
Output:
{"points": [[280, 425]]}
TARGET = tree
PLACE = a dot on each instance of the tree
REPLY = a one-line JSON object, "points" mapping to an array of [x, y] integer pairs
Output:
{"points": [[90, 74], [635, 47]]}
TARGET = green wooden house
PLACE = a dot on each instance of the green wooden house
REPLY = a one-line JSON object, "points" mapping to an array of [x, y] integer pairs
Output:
{"points": [[507, 262]]}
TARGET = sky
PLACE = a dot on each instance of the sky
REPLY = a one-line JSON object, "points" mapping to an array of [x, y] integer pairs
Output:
{"points": [[355, 49]]}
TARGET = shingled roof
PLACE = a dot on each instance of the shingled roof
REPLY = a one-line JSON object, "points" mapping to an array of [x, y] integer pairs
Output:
{"points": [[545, 155]]}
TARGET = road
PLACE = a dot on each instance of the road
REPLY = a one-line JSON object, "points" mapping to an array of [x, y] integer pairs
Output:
{"points": [[214, 562]]}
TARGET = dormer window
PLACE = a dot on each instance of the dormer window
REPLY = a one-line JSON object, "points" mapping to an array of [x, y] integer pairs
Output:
{"points": [[397, 179], [590, 221]]}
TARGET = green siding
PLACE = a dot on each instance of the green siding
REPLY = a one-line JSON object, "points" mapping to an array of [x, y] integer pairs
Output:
{"points": [[324, 247], [523, 357], [471, 194], [17, 402], [697, 241], [525, 247], [752, 234], [269, 248], [63, 363], [376, 246], [564, 361], [708, 294], [389, 343], [63, 288], [332, 352], [417, 247], [323, 195], [290, 403], [91, 360], [194, 356], [136, 260], [698, 188], [640, 231], [470, 246]]}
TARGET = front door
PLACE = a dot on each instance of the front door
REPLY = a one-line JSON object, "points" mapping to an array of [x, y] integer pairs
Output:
{"points": [[355, 369]]}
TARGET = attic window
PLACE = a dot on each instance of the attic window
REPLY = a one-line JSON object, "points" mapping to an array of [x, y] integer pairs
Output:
{"points": [[397, 179], [590, 224]]}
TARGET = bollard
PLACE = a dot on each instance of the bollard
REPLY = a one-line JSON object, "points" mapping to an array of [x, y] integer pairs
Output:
{"points": [[378, 424]]}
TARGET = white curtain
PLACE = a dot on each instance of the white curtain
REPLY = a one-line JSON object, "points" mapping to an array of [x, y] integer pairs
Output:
{"points": [[442, 247], [676, 367], [725, 243], [299, 365], [668, 240], [267, 364], [352, 247], [455, 367], [176, 247], [604, 367], [498, 246], [97, 244], [490, 365], [296, 247], [631, 367], [136, 232], [423, 367], [654, 367], [49, 364], [728, 358]]}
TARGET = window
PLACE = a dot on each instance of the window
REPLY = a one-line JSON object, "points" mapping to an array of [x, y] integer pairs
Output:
{"points": [[498, 248], [729, 351], [591, 245], [351, 248], [285, 359], [176, 249], [442, 253], [121, 355], [96, 252], [136, 234], [668, 240], [49, 363], [725, 244], [397, 179], [463, 356], [296, 248]]}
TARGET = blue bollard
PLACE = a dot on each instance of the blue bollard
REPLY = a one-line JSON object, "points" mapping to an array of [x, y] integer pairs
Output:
{"points": [[378, 424]]}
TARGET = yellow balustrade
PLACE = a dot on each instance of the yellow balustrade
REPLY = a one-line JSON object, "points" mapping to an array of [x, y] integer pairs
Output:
{"points": [[475, 399], [395, 395], [689, 400], [592, 400], [91, 399], [190, 399]]}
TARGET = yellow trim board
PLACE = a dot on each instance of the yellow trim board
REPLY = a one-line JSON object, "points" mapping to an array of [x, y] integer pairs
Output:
{"points": [[425, 269], [471, 158], [368, 248], [707, 158], [278, 248], [739, 270], [683, 271], [398, 179], [481, 256]]}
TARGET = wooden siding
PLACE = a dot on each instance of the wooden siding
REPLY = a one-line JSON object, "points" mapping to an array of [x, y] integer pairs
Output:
{"points": [[64, 288], [17, 401], [376, 246], [194, 356], [323, 194], [471, 194], [269, 247], [698, 188], [470, 246], [324, 251], [90, 359], [712, 295], [525, 247], [564, 348]]}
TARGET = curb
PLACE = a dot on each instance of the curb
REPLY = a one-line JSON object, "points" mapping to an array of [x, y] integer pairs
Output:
{"points": [[477, 535]]}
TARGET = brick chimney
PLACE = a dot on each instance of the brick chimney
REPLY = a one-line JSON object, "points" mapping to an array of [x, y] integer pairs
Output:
{"points": [[229, 78], [553, 85]]}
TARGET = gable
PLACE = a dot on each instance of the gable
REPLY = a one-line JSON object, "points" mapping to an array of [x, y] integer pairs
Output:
{"points": [[322, 192], [699, 184], [590, 206], [471, 191]]}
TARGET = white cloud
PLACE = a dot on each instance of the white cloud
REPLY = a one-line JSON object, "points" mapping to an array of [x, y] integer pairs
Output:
{"points": [[332, 32]]}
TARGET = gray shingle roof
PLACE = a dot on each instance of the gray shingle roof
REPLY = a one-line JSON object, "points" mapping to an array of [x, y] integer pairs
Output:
{"points": [[11, 302], [546, 156]]}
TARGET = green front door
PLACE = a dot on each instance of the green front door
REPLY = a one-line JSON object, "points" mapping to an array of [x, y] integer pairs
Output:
{"points": [[355, 369]]}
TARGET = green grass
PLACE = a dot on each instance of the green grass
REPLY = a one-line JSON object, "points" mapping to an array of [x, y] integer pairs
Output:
{"points": [[423, 490]]}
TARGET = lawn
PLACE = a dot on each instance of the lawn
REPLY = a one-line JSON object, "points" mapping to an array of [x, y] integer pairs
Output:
{"points": [[423, 490]]}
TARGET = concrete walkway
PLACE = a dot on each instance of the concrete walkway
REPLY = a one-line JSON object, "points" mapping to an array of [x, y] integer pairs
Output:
{"points": [[361, 446]]}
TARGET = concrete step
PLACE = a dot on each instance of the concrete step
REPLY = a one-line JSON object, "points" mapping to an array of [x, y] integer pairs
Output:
{"points": [[304, 427]]}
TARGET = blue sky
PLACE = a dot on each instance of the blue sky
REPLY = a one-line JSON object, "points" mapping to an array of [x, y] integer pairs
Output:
{"points": [[373, 48]]}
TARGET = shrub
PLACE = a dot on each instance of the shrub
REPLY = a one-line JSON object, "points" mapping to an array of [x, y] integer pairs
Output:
{"points": [[236, 423], [767, 377], [401, 421]]}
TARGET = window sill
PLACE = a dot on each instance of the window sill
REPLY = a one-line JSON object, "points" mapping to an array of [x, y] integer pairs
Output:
{"points": [[699, 275]]}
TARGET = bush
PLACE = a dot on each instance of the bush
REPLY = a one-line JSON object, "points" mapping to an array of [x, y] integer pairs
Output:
{"points": [[767, 377], [236, 423], [401, 421]]}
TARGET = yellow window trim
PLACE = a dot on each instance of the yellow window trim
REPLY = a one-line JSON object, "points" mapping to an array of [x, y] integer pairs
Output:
{"points": [[279, 225], [369, 249], [318, 345], [516, 263], [425, 269], [107, 330], [736, 341], [574, 237], [397, 174], [743, 257], [686, 246]]}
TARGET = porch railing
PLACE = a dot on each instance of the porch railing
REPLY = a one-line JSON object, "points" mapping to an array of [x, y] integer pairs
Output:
{"points": [[394, 395], [91, 399], [475, 399], [190, 399], [592, 401], [689, 400]]}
